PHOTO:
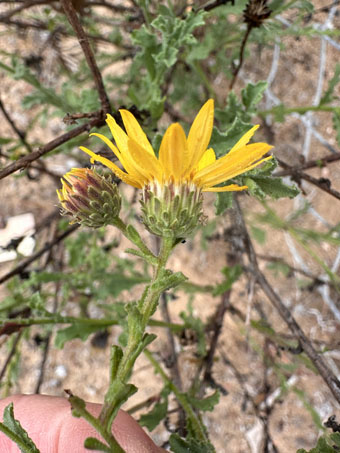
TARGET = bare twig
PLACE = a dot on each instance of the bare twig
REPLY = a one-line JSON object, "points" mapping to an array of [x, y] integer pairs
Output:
{"points": [[19, 133], [325, 372], [321, 183], [212, 5], [83, 41], [26, 160], [217, 323], [10, 355], [25, 5], [241, 56], [322, 162]]}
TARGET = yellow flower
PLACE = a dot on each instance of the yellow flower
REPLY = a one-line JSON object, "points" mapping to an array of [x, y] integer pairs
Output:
{"points": [[182, 160]]}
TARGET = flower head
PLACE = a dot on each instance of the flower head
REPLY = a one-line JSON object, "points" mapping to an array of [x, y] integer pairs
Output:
{"points": [[89, 198], [181, 159], [172, 183]]}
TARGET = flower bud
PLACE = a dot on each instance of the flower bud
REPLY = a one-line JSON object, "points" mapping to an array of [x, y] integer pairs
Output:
{"points": [[89, 198], [171, 210]]}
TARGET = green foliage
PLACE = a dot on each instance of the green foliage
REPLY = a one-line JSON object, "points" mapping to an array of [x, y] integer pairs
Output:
{"points": [[13, 429], [157, 413], [81, 331], [231, 274], [205, 404], [328, 95], [179, 445], [326, 444], [158, 54]]}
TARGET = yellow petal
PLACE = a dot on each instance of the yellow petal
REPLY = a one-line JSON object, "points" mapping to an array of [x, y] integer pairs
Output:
{"points": [[240, 159], [60, 195], [231, 173], [230, 188], [173, 152], [134, 130], [125, 158], [208, 158], [244, 139], [118, 134], [145, 160], [116, 170], [200, 133]]}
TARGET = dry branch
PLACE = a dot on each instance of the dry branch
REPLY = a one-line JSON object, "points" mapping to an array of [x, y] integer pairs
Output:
{"points": [[50, 146], [325, 372]]}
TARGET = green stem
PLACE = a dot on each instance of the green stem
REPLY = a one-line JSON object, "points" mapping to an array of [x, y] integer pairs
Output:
{"points": [[146, 308], [195, 422], [85, 321], [79, 406], [132, 234], [153, 295], [301, 110]]}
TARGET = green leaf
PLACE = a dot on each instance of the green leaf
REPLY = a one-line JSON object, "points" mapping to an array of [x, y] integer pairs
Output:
{"points": [[5, 141], [13, 429], [205, 404], [259, 234], [157, 414], [224, 201], [261, 186], [222, 142], [231, 275], [179, 445], [335, 437], [328, 95], [81, 331], [252, 94], [321, 447], [336, 125], [116, 283]]}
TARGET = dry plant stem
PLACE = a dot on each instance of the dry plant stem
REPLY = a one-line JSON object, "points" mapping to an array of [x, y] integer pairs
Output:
{"points": [[298, 175], [240, 63], [325, 372], [172, 361], [309, 164], [26, 160], [22, 266], [18, 132], [24, 5], [83, 41], [10, 355], [217, 324]]}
